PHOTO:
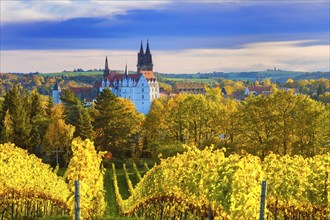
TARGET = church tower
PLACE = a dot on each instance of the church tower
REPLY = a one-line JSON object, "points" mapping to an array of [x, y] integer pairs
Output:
{"points": [[144, 59]]}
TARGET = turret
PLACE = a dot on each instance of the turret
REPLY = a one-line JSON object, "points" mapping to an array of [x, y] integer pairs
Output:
{"points": [[106, 69], [126, 73]]}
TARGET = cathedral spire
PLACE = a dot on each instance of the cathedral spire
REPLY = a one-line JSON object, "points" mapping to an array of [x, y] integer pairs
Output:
{"points": [[147, 49], [141, 48]]}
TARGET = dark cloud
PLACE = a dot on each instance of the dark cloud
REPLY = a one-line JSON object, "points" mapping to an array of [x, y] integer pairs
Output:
{"points": [[180, 25]]}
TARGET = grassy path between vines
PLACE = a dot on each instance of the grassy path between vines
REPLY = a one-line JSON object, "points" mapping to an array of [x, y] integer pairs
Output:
{"points": [[111, 212]]}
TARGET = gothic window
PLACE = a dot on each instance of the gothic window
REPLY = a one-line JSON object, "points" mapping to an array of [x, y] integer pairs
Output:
{"points": [[142, 89], [142, 84], [142, 96]]}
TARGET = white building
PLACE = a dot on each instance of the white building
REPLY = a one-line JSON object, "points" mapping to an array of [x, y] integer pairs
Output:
{"points": [[141, 88]]}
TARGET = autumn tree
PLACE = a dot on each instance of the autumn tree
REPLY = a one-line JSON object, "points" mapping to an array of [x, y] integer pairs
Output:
{"points": [[214, 94], [230, 123], [155, 130], [58, 136], [285, 124], [189, 119]]}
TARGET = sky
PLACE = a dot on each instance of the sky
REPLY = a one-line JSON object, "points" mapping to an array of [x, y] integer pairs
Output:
{"points": [[184, 36]]}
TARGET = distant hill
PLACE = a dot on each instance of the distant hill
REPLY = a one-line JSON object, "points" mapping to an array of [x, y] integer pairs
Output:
{"points": [[279, 76]]}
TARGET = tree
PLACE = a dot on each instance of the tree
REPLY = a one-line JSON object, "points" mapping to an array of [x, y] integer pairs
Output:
{"points": [[190, 119], [230, 123], [176, 119], [267, 82], [58, 136], [320, 90], [36, 106], [155, 130], [15, 102], [116, 124], [77, 116], [49, 107], [213, 94], [285, 124], [7, 129], [85, 128], [38, 119]]}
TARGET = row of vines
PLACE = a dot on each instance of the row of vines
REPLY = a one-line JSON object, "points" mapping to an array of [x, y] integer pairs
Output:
{"points": [[208, 185], [197, 184], [30, 189]]}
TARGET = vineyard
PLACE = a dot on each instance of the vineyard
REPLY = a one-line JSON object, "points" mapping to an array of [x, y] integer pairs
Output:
{"points": [[207, 185], [198, 184], [28, 187]]}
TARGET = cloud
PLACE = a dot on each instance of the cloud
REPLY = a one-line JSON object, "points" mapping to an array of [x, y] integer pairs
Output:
{"points": [[33, 10], [287, 55]]}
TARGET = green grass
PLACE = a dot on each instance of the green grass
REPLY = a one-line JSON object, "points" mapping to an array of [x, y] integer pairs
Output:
{"points": [[111, 209], [71, 73], [190, 80], [60, 217], [123, 189], [111, 212]]}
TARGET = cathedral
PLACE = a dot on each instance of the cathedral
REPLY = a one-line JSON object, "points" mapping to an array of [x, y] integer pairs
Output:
{"points": [[141, 88]]}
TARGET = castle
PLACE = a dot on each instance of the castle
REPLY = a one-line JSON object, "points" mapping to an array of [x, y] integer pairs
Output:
{"points": [[141, 88]]}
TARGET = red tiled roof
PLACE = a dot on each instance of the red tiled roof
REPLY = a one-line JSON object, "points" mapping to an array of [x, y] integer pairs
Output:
{"points": [[149, 75], [81, 90], [188, 85], [97, 85], [117, 77], [86, 92], [259, 88]]}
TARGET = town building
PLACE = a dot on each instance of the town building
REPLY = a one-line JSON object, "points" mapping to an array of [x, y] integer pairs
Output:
{"points": [[294, 90], [141, 88], [257, 90], [189, 88]]}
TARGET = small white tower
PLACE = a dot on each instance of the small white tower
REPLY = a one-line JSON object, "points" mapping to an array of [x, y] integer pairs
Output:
{"points": [[56, 93]]}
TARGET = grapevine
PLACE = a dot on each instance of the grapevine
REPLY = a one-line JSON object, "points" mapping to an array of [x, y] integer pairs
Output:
{"points": [[116, 189], [201, 184], [128, 181], [137, 171], [85, 166], [209, 181]]}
